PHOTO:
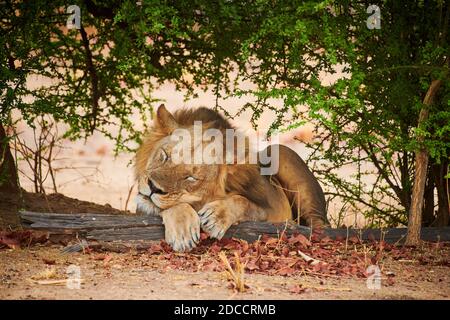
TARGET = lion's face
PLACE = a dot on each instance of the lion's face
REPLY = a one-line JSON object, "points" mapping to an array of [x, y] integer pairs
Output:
{"points": [[163, 182]]}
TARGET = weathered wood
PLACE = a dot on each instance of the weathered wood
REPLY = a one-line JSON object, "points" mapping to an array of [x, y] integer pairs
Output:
{"points": [[102, 227], [85, 221]]}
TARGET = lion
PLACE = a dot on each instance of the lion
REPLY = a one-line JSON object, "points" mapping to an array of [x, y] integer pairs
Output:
{"points": [[212, 197]]}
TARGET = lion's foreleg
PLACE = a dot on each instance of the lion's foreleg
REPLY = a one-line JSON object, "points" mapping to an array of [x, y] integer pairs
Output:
{"points": [[182, 227], [217, 216]]}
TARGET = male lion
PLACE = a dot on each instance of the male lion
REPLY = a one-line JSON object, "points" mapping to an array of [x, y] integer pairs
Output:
{"points": [[215, 196]]}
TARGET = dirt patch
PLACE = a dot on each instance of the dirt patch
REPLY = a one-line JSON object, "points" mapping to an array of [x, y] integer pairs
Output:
{"points": [[135, 275], [10, 204]]}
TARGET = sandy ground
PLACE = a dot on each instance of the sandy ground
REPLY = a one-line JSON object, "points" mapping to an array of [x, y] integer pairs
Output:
{"points": [[26, 274], [41, 271]]}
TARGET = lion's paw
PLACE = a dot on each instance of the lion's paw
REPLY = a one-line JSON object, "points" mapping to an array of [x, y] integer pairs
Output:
{"points": [[182, 227], [215, 218]]}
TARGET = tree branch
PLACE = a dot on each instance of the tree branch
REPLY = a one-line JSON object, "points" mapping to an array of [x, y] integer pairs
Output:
{"points": [[94, 79]]}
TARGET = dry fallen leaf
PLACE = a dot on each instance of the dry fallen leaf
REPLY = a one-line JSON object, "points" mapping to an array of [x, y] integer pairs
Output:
{"points": [[300, 238]]}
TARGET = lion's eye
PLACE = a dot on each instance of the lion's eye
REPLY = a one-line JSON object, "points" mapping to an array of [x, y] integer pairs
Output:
{"points": [[163, 155], [191, 179]]}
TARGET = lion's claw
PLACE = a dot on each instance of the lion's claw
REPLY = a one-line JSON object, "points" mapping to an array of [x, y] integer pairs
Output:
{"points": [[182, 244], [213, 220]]}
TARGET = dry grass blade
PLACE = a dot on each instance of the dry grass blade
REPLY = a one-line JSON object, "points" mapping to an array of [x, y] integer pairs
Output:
{"points": [[46, 274], [237, 275]]}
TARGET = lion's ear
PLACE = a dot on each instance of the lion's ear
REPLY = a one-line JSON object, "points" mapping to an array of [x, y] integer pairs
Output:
{"points": [[165, 119]]}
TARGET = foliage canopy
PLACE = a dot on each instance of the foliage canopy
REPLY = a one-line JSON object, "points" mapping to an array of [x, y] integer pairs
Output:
{"points": [[97, 76]]}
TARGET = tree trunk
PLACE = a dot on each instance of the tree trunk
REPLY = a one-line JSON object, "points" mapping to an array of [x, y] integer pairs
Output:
{"points": [[415, 212], [428, 197], [8, 172]]}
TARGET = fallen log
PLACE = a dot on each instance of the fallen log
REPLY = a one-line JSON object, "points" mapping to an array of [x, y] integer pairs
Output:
{"points": [[114, 227]]}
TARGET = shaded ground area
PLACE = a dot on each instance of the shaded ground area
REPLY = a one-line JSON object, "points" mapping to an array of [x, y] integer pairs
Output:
{"points": [[32, 265], [10, 204]]}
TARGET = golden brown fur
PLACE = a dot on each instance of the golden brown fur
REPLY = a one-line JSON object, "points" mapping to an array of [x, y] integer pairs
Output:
{"points": [[219, 194]]}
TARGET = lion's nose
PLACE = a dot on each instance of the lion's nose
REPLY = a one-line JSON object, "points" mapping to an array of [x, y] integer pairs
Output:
{"points": [[153, 188]]}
